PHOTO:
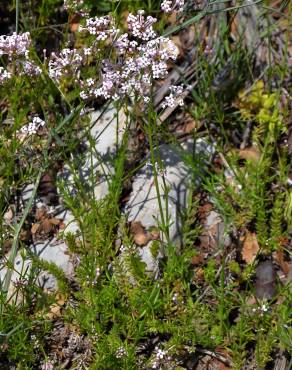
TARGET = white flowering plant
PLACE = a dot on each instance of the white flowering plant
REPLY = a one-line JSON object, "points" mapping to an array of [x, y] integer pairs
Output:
{"points": [[156, 81]]}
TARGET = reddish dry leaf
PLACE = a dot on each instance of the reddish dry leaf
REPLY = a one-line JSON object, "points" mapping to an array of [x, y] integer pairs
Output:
{"points": [[204, 210], [55, 308], [190, 126], [140, 236], [280, 259], [55, 221], [252, 154], [34, 228], [74, 22], [250, 247], [62, 225], [46, 226], [198, 259]]}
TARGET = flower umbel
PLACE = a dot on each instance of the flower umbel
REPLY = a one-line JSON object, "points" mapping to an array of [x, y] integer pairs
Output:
{"points": [[67, 63], [101, 27], [140, 27], [174, 98], [32, 127], [169, 6], [15, 45]]}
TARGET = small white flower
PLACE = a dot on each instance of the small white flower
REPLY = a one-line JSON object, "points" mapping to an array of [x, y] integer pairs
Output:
{"points": [[90, 82], [169, 6], [121, 352], [4, 75], [175, 97], [15, 45], [32, 127]]}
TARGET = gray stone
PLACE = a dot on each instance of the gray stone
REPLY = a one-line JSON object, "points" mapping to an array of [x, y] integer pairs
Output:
{"points": [[96, 163], [143, 203], [54, 250]]}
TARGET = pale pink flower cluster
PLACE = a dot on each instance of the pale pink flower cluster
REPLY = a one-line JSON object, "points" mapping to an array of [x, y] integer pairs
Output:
{"points": [[32, 127], [140, 27], [14, 45], [140, 61], [67, 63], [102, 27], [169, 6], [124, 45], [138, 57], [47, 365], [28, 68], [174, 98]]}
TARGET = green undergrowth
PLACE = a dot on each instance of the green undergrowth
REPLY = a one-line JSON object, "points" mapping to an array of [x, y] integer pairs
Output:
{"points": [[124, 312]]}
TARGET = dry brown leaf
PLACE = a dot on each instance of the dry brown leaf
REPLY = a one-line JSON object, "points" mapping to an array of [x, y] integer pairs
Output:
{"points": [[190, 126], [252, 154], [280, 258], [47, 187], [24, 235], [197, 259], [62, 225], [204, 210], [250, 247], [139, 234], [198, 275], [177, 42], [74, 22], [55, 308], [55, 221], [172, 19], [55, 311], [40, 213], [46, 226], [34, 228]]}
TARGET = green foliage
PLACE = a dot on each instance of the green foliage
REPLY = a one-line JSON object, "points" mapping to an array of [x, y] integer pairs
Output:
{"points": [[116, 303], [250, 200]]}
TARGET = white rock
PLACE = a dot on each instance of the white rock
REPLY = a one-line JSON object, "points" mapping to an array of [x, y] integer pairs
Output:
{"points": [[143, 203], [107, 130], [54, 250]]}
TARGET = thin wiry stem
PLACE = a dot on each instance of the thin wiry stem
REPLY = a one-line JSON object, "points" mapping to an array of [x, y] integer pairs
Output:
{"points": [[17, 16], [14, 247]]}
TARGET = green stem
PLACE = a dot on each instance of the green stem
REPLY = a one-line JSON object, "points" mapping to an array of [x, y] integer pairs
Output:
{"points": [[14, 247], [150, 133], [17, 16]]}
